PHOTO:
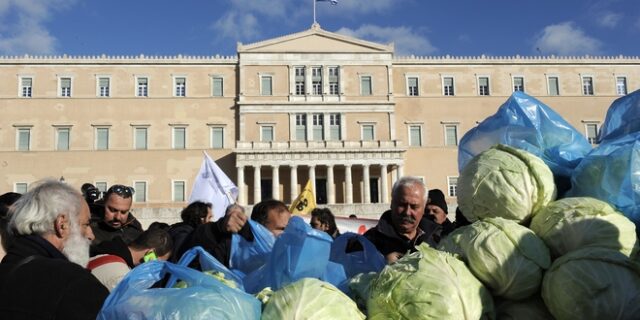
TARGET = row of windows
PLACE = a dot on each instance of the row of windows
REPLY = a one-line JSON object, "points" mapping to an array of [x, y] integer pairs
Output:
{"points": [[103, 86], [518, 83], [102, 134]]}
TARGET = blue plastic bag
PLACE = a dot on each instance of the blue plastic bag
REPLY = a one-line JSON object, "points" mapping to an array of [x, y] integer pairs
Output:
{"points": [[204, 298], [299, 252], [611, 173], [207, 263], [248, 256], [623, 117], [526, 123], [369, 259]]}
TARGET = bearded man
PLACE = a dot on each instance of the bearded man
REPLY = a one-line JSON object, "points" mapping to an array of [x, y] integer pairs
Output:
{"points": [[43, 275]]}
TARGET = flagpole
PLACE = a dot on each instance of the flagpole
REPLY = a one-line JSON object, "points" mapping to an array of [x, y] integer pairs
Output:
{"points": [[314, 11]]}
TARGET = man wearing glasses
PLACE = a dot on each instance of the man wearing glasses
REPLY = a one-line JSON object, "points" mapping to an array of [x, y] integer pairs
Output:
{"points": [[117, 220]]}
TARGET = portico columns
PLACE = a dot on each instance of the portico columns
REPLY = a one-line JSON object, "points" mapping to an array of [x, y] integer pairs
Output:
{"points": [[348, 184], [312, 177], [241, 197], [294, 182], [275, 182], [367, 188], [331, 187], [257, 191], [383, 182]]}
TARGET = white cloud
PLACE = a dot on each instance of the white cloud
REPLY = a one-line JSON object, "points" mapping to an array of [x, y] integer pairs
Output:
{"points": [[566, 39], [609, 19], [24, 31], [406, 40], [267, 8], [363, 7], [236, 26]]}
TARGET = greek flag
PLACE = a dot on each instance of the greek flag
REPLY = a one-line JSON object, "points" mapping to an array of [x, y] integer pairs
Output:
{"points": [[334, 2]]}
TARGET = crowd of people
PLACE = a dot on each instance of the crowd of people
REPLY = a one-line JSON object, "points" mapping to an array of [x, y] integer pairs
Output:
{"points": [[66, 249]]}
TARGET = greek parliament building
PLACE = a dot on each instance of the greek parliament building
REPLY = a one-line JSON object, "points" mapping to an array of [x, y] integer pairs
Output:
{"points": [[345, 113]]}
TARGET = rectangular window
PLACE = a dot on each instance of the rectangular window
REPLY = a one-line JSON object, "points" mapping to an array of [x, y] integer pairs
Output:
{"points": [[316, 80], [179, 137], [266, 133], [178, 191], [621, 85], [591, 130], [101, 185], [103, 87], [412, 86], [217, 137], [334, 81], [318, 126], [300, 81], [301, 127], [102, 138], [140, 139], [452, 183], [217, 86], [334, 126], [447, 85], [24, 139], [415, 136], [142, 87], [26, 87], [451, 135], [518, 84], [20, 187], [62, 139], [368, 133], [587, 86], [554, 86], [365, 86], [266, 88], [181, 87], [65, 87], [140, 194], [483, 86]]}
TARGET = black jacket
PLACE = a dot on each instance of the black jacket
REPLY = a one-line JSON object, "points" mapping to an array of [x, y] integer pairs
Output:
{"points": [[129, 231], [387, 240], [212, 237], [116, 247], [47, 287], [181, 234]]}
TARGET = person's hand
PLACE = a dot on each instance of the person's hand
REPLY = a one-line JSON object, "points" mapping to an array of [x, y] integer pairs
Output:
{"points": [[393, 257], [234, 220]]}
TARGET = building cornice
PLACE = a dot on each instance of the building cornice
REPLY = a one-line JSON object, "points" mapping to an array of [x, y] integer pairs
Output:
{"points": [[118, 59], [517, 59]]}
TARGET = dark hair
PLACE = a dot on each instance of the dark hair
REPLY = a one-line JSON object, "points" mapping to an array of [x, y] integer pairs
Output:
{"points": [[121, 190], [325, 216], [159, 225], [260, 211], [154, 238], [195, 213], [6, 201]]}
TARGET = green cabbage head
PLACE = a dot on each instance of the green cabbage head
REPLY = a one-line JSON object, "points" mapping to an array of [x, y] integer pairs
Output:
{"points": [[532, 308], [593, 283], [572, 223], [505, 182], [310, 298], [428, 284], [507, 257]]}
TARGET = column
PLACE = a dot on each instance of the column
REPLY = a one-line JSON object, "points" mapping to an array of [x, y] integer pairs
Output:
{"points": [[275, 182], [241, 192], [331, 186], [367, 188], [257, 190], [400, 171], [394, 174], [349, 184], [383, 182], [312, 177], [294, 182]]}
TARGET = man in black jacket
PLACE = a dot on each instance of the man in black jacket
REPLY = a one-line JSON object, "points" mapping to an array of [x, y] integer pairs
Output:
{"points": [[115, 218], [402, 228], [43, 275]]}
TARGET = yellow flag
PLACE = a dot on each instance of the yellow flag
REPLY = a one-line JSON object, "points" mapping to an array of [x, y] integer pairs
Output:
{"points": [[305, 202]]}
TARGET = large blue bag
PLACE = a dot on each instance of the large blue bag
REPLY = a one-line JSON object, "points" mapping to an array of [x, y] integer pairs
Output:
{"points": [[526, 123], [207, 263], [611, 173], [369, 259], [247, 256], [623, 117], [299, 252], [204, 298]]}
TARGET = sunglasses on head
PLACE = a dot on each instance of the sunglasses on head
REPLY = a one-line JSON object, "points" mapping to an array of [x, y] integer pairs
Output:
{"points": [[121, 190]]}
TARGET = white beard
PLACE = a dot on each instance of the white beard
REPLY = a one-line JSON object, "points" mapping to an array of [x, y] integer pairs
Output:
{"points": [[76, 248]]}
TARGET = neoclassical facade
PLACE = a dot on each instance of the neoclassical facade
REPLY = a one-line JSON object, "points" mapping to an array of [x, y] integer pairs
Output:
{"points": [[345, 113]]}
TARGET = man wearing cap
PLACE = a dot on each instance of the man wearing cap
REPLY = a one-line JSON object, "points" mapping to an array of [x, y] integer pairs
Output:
{"points": [[116, 219], [437, 210]]}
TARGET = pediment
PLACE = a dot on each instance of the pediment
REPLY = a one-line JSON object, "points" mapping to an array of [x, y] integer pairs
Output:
{"points": [[315, 40]]}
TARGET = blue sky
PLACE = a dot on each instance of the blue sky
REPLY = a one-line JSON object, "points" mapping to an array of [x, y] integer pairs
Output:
{"points": [[419, 27]]}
